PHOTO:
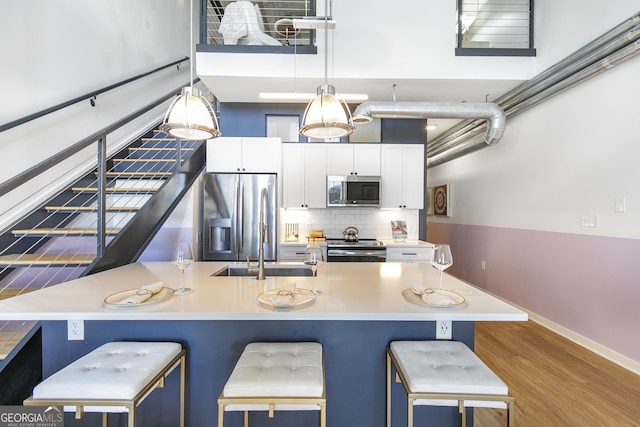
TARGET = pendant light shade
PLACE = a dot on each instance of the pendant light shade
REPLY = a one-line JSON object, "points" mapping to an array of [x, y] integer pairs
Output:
{"points": [[191, 117], [325, 116]]}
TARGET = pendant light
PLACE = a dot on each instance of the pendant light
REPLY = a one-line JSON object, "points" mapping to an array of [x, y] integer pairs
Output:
{"points": [[325, 116], [190, 116]]}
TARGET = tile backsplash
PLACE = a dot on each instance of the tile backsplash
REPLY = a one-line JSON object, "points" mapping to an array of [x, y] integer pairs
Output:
{"points": [[371, 223]]}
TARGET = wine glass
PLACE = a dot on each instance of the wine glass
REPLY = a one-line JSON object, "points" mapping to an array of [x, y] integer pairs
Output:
{"points": [[441, 258], [182, 258], [313, 257]]}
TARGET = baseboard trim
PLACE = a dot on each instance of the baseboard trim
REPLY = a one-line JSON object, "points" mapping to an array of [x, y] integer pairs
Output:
{"points": [[599, 349]]}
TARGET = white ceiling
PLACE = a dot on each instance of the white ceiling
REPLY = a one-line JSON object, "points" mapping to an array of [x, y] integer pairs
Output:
{"points": [[247, 89]]}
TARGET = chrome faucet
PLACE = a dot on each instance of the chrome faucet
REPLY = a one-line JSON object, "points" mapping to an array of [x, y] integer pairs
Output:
{"points": [[264, 232]]}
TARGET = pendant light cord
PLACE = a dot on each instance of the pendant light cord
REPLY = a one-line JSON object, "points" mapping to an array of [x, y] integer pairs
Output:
{"points": [[191, 49], [326, 41]]}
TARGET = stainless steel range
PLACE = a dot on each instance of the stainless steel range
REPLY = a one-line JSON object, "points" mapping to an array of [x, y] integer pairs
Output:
{"points": [[362, 250]]}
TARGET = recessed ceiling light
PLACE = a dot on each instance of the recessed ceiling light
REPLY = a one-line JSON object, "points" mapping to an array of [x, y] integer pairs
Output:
{"points": [[432, 127]]}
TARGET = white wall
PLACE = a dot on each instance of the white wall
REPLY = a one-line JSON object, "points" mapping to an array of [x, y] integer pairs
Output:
{"points": [[573, 154]]}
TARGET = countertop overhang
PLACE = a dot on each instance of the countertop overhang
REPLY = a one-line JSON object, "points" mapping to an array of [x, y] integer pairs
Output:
{"points": [[350, 292]]}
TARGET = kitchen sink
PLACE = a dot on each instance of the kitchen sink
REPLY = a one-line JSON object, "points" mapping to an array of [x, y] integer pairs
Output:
{"points": [[271, 270]]}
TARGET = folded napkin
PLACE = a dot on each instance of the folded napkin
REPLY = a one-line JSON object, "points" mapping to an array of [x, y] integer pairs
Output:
{"points": [[436, 298], [284, 296], [143, 294], [419, 288]]}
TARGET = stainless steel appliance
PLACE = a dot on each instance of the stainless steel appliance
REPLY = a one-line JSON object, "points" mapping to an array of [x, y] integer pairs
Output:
{"points": [[362, 250], [231, 216], [353, 190]]}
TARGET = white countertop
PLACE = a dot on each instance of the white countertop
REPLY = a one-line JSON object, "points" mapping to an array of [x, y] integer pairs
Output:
{"points": [[350, 291]]}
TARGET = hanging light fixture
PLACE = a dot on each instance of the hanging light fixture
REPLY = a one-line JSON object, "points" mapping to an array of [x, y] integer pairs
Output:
{"points": [[190, 116], [325, 116]]}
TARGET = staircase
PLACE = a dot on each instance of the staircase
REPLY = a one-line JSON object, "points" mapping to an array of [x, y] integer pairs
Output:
{"points": [[60, 241]]}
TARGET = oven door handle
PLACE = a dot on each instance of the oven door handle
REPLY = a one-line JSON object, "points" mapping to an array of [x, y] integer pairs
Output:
{"points": [[345, 252]]}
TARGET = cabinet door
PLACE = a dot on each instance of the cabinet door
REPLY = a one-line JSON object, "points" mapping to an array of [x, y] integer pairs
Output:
{"points": [[353, 159], [414, 176], [403, 176], [293, 175], [292, 252], [339, 159], [316, 175], [408, 254], [224, 155], [366, 159], [261, 155], [392, 176]]}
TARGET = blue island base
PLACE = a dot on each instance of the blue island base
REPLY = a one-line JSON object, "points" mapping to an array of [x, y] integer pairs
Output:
{"points": [[355, 364]]}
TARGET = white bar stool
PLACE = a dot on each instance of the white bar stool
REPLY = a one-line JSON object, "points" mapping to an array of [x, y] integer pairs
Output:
{"points": [[276, 376], [115, 377], [445, 373]]}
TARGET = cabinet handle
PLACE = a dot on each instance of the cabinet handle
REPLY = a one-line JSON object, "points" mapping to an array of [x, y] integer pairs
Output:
{"points": [[410, 253]]}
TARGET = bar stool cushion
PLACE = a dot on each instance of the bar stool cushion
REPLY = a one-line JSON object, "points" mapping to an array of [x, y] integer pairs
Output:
{"points": [[277, 369], [446, 367], [116, 370]]}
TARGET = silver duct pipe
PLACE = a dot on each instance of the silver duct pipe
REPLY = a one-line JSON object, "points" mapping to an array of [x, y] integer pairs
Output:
{"points": [[491, 113], [615, 46]]}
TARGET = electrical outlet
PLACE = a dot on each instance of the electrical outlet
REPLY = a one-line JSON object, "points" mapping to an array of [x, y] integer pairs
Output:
{"points": [[75, 330], [443, 329]]}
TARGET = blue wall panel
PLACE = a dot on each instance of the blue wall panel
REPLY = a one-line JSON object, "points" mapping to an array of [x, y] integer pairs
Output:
{"points": [[247, 119]]}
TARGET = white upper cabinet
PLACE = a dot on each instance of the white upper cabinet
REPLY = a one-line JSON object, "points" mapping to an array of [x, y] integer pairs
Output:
{"points": [[353, 159], [402, 176], [304, 170], [243, 155]]}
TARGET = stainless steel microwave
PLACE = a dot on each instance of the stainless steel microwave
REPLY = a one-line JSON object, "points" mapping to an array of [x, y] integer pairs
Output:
{"points": [[353, 190]]}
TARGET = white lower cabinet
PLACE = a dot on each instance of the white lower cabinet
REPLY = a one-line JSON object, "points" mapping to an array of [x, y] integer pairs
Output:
{"points": [[304, 171], [408, 253]]}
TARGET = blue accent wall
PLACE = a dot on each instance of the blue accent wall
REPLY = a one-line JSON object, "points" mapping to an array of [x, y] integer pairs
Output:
{"points": [[249, 119]]}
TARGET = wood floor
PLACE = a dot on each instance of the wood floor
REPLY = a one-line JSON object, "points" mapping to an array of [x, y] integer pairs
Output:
{"points": [[555, 382]]}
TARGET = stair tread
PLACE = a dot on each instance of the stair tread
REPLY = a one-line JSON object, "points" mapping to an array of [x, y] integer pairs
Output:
{"points": [[138, 174], [92, 208], [63, 231], [46, 259], [159, 149], [127, 160], [116, 189]]}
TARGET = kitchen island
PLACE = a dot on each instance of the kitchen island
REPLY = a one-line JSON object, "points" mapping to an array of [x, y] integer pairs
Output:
{"points": [[359, 309]]}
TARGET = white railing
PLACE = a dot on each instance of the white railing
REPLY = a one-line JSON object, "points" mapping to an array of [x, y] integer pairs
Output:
{"points": [[268, 17], [495, 24]]}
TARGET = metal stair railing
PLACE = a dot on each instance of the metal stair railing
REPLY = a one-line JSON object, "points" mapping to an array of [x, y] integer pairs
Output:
{"points": [[171, 180]]}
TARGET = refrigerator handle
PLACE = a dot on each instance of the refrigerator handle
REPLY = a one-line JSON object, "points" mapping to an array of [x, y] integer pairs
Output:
{"points": [[240, 217]]}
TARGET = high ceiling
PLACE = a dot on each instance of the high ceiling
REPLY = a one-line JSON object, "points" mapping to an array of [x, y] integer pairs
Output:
{"points": [[246, 88]]}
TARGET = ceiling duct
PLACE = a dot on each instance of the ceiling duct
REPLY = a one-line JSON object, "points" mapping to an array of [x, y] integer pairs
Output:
{"points": [[491, 113]]}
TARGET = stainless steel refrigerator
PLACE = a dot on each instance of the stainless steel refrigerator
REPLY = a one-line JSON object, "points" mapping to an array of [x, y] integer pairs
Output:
{"points": [[231, 212]]}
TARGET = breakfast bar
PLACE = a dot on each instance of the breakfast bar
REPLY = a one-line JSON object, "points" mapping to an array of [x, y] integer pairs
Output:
{"points": [[353, 310]]}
